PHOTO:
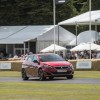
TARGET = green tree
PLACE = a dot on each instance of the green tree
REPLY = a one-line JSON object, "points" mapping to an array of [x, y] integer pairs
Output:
{"points": [[40, 12]]}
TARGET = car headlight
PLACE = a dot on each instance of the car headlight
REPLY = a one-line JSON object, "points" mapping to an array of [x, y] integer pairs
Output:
{"points": [[47, 66], [71, 66]]}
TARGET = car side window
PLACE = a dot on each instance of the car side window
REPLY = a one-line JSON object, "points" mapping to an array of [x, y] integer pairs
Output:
{"points": [[26, 58], [30, 59], [35, 58]]}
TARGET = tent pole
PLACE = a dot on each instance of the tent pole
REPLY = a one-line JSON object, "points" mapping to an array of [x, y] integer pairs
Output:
{"points": [[28, 46], [96, 29], [76, 32], [24, 48], [58, 34], [54, 18], [6, 48], [14, 49], [90, 24]]}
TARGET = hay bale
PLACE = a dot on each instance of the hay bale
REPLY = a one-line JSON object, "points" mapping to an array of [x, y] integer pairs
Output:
{"points": [[96, 65], [73, 63], [16, 66]]}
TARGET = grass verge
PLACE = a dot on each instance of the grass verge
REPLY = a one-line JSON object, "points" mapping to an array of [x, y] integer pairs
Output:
{"points": [[42, 91], [78, 74], [87, 74], [10, 74]]}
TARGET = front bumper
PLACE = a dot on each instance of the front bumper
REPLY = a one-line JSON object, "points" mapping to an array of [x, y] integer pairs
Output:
{"points": [[58, 74]]}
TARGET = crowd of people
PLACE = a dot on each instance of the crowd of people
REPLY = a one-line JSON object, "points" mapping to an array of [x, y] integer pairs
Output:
{"points": [[70, 55], [97, 42], [83, 55]]}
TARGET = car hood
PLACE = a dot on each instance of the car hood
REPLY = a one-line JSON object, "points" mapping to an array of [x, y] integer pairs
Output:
{"points": [[57, 63]]}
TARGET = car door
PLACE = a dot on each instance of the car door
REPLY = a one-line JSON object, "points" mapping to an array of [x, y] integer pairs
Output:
{"points": [[36, 65], [32, 66]]}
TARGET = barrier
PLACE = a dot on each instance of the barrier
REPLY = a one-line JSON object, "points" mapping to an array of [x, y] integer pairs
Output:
{"points": [[16, 65], [95, 64]]}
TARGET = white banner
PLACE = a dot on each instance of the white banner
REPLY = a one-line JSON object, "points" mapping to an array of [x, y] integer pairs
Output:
{"points": [[83, 65], [60, 1], [5, 65]]}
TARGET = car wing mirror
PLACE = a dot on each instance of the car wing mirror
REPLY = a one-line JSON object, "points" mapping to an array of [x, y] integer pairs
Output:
{"points": [[35, 61], [66, 59]]}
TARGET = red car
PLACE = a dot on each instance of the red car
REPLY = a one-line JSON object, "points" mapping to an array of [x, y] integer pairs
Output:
{"points": [[46, 65]]}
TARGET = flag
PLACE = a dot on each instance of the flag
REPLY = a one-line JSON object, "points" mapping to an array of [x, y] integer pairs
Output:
{"points": [[60, 1]]}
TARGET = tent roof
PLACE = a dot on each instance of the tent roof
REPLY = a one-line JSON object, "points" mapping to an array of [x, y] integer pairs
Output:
{"points": [[84, 37], [20, 34], [83, 19], [86, 46], [51, 48], [64, 35]]}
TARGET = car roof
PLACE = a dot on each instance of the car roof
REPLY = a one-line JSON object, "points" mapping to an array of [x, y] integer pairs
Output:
{"points": [[42, 54], [45, 54]]}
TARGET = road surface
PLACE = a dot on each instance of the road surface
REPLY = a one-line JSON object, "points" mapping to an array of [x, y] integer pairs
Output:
{"points": [[55, 80]]}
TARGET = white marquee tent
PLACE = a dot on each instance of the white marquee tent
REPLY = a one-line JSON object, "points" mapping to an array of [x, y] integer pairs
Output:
{"points": [[78, 47], [64, 35], [51, 48], [40, 36], [86, 46], [83, 19], [20, 34], [84, 37]]}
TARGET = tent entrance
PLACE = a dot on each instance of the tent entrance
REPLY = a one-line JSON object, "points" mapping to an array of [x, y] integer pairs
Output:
{"points": [[32, 47], [20, 51]]}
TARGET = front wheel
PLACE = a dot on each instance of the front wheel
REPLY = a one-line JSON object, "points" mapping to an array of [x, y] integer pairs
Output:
{"points": [[41, 76], [24, 76], [69, 76]]}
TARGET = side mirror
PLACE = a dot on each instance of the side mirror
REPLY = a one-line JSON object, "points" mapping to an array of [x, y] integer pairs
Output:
{"points": [[35, 61], [66, 59]]}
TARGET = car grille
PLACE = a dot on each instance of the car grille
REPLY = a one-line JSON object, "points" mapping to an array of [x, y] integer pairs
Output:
{"points": [[62, 67], [69, 72]]}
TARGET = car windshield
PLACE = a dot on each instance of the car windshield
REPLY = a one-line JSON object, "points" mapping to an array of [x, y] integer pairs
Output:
{"points": [[50, 57]]}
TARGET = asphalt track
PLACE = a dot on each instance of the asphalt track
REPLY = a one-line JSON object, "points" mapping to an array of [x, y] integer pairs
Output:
{"points": [[55, 80]]}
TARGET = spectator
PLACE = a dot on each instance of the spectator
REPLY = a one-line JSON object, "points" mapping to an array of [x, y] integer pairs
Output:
{"points": [[15, 56], [61, 53], [98, 55], [1, 55]]}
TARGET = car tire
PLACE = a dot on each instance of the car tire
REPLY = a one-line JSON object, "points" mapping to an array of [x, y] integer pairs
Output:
{"points": [[24, 76], [41, 76], [51, 78], [69, 76]]}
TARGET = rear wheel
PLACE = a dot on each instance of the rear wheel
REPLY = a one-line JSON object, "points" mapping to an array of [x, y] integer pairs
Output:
{"points": [[24, 76], [41, 76], [69, 76]]}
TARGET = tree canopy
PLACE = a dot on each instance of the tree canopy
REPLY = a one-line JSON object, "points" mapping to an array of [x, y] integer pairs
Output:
{"points": [[40, 12]]}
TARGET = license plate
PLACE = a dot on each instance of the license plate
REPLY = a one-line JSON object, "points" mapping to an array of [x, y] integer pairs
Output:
{"points": [[61, 70]]}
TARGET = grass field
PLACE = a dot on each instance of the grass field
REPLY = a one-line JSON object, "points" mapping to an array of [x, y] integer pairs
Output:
{"points": [[10, 74], [78, 74], [41, 91], [46, 91]]}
